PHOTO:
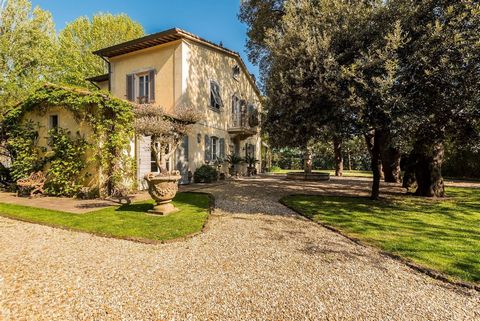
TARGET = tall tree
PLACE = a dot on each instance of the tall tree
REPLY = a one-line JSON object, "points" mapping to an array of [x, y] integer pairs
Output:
{"points": [[27, 50], [440, 83], [306, 90], [83, 36]]}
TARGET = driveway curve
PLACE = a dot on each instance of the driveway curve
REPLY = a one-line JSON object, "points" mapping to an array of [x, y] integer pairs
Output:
{"points": [[256, 261]]}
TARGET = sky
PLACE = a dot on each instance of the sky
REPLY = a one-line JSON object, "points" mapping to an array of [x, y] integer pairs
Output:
{"points": [[214, 20]]}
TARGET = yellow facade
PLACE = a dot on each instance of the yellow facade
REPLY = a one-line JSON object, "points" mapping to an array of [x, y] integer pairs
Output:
{"points": [[184, 70], [67, 121]]}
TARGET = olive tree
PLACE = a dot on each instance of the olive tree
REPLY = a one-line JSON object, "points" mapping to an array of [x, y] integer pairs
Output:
{"points": [[166, 131]]}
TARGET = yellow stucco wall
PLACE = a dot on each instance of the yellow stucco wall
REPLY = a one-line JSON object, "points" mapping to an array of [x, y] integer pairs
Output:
{"points": [[164, 59], [103, 85], [67, 121], [183, 70], [203, 65]]}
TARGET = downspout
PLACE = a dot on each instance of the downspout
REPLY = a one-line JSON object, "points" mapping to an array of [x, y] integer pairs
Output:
{"points": [[109, 73], [94, 83]]}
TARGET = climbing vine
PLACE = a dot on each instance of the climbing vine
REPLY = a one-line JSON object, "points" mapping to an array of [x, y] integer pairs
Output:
{"points": [[24, 150], [110, 118], [65, 161]]}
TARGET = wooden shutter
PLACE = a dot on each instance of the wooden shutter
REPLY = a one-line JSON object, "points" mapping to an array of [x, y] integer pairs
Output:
{"points": [[222, 148], [185, 145], [130, 86], [208, 149], [151, 75]]}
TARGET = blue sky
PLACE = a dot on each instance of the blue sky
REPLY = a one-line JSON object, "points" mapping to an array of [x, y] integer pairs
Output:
{"points": [[214, 20]]}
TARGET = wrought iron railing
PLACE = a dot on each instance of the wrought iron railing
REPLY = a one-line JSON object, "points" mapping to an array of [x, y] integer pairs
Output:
{"points": [[239, 120]]}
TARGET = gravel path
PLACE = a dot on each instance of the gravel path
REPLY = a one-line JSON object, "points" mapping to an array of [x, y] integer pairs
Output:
{"points": [[251, 264]]}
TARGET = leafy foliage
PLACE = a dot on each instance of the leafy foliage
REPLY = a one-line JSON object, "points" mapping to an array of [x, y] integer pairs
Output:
{"points": [[205, 174], [65, 163], [166, 131], [27, 50], [24, 151], [111, 120], [80, 38]]}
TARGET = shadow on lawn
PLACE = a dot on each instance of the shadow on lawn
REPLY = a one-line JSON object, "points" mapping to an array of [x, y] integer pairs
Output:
{"points": [[136, 207]]}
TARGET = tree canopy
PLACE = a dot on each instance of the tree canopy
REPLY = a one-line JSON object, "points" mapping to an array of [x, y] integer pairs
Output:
{"points": [[31, 53], [405, 72]]}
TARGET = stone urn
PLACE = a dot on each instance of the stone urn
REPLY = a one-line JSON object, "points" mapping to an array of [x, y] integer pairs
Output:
{"points": [[162, 188]]}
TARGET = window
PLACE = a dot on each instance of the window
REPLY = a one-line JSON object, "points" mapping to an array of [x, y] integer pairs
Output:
{"points": [[215, 148], [215, 98], [143, 89], [250, 150], [236, 114], [236, 72], [53, 122]]}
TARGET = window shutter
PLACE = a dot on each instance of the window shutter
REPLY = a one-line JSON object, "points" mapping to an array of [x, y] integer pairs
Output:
{"points": [[130, 86], [152, 85], [222, 148], [185, 144], [208, 149]]}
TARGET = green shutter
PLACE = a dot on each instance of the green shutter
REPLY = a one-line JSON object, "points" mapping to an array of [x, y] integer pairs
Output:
{"points": [[130, 86], [152, 85]]}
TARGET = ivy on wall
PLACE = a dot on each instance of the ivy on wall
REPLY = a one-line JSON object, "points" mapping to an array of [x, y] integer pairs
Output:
{"points": [[66, 161], [22, 144], [110, 118]]}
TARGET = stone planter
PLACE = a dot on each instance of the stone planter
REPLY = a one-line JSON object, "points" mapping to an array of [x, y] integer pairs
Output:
{"points": [[163, 188]]}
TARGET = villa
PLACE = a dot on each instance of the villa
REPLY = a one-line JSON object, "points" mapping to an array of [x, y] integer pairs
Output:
{"points": [[174, 68]]}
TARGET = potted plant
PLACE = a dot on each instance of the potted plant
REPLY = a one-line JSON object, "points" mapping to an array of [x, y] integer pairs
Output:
{"points": [[166, 132], [234, 160], [251, 162]]}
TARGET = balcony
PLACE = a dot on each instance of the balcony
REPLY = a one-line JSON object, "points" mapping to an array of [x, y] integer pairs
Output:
{"points": [[241, 127]]}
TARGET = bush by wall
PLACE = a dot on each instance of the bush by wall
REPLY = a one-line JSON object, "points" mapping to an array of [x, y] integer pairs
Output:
{"points": [[205, 174]]}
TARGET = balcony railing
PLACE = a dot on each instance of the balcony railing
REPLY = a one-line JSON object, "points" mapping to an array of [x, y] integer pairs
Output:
{"points": [[241, 126], [239, 120]]}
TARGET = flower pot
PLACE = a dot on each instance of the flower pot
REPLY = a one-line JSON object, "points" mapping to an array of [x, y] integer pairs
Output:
{"points": [[163, 188]]}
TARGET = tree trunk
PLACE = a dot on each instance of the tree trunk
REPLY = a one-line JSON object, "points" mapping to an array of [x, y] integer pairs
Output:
{"points": [[370, 141], [428, 172], [337, 148], [409, 165], [349, 159], [308, 160], [376, 164], [391, 163]]}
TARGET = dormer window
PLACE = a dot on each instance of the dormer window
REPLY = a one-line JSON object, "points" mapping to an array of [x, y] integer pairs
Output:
{"points": [[215, 98], [236, 72]]}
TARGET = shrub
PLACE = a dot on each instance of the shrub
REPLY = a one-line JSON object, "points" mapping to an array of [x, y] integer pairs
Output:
{"points": [[205, 174]]}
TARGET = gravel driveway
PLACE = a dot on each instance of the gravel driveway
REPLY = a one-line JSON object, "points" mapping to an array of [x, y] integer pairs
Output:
{"points": [[256, 261]]}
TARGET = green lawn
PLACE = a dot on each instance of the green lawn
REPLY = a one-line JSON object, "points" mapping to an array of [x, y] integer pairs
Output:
{"points": [[440, 234], [126, 221], [346, 173]]}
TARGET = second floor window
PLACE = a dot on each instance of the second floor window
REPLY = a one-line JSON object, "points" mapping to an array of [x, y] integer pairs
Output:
{"points": [[141, 87], [215, 98]]}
